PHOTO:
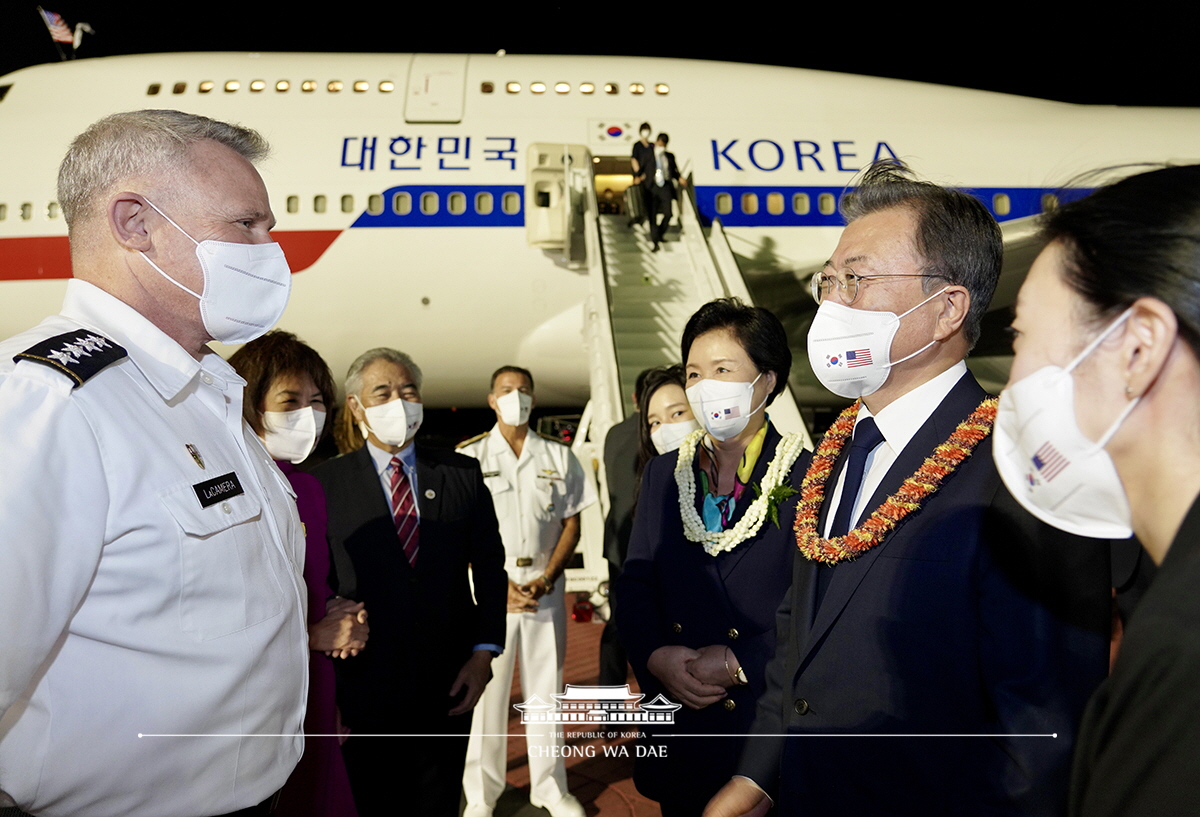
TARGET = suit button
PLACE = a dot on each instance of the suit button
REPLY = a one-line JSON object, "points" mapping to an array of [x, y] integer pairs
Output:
{"points": [[801, 706], [729, 704], [677, 627], [733, 634]]}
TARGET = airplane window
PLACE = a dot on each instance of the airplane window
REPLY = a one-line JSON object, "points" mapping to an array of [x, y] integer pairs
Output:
{"points": [[724, 203], [257, 85], [3, 211], [612, 88], [801, 204], [26, 211], [429, 203], [153, 89], [308, 86], [387, 86], [334, 86], [587, 88], [1049, 202], [749, 203], [319, 204], [487, 87], [483, 203], [374, 204], [361, 85], [401, 204], [826, 204], [179, 88], [510, 203], [293, 204], [456, 203], [513, 87], [232, 85], [637, 88], [1001, 205], [52, 210], [537, 87], [662, 89], [206, 86], [562, 88], [347, 204], [282, 86], [774, 203]]}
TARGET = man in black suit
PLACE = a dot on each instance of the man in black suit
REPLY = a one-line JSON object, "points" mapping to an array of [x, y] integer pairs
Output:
{"points": [[658, 184], [956, 648], [410, 527]]}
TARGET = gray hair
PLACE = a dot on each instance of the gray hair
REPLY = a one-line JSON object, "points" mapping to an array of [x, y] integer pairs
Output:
{"points": [[136, 144], [354, 374]]}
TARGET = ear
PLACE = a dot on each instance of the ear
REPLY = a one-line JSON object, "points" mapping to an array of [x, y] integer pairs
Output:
{"points": [[356, 409], [955, 304], [491, 401], [1150, 335], [127, 221], [771, 379]]}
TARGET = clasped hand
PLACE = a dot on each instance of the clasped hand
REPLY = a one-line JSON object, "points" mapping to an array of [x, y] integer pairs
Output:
{"points": [[696, 678], [343, 631]]}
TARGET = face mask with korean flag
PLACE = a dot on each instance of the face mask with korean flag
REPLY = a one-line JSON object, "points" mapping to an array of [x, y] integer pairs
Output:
{"points": [[1047, 463], [723, 406], [850, 350]]}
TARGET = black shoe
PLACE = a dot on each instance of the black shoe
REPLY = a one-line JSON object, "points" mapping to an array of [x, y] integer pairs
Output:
{"points": [[655, 247]]}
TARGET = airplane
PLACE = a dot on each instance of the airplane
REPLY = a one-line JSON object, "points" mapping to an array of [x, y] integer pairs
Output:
{"points": [[449, 204]]}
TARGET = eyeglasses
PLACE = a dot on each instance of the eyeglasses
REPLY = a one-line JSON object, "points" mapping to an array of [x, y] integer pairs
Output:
{"points": [[849, 282]]}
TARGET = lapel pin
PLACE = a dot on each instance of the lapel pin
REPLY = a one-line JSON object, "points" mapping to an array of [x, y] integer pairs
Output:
{"points": [[430, 493], [191, 449]]}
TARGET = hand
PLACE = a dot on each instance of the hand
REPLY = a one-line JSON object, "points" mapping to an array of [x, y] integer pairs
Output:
{"points": [[711, 666], [738, 798], [520, 600], [474, 675], [535, 589], [670, 666], [343, 631]]}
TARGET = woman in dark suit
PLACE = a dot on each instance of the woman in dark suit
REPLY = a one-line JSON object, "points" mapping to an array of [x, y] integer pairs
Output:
{"points": [[704, 576]]}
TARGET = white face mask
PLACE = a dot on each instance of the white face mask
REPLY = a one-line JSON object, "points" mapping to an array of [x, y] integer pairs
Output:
{"points": [[723, 406], [669, 436], [395, 422], [514, 407], [1048, 465], [850, 349], [246, 286], [292, 435]]}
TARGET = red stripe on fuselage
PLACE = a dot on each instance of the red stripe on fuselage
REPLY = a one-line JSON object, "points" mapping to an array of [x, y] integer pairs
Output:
{"points": [[45, 257]]}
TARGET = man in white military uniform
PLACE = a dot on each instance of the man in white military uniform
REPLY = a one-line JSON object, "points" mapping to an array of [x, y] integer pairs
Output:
{"points": [[150, 552], [538, 488]]}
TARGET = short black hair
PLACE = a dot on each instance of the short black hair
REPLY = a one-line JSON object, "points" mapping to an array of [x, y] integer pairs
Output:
{"points": [[640, 384], [956, 236], [757, 329], [1136, 238], [662, 137], [514, 370], [643, 126], [654, 379]]}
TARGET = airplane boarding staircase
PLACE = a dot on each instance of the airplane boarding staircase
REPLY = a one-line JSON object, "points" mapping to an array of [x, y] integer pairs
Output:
{"points": [[637, 306]]}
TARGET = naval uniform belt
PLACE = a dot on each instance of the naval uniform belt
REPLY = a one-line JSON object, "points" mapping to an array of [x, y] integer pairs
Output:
{"points": [[524, 561]]}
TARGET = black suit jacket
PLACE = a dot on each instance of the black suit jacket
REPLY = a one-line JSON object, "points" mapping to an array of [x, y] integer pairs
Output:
{"points": [[649, 167], [620, 469], [424, 622], [971, 618]]}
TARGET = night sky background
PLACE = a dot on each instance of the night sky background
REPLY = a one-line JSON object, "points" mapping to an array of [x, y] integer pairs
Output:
{"points": [[1138, 55]]}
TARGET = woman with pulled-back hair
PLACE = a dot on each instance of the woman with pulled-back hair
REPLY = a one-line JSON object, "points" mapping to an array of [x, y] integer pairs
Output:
{"points": [[1098, 433]]}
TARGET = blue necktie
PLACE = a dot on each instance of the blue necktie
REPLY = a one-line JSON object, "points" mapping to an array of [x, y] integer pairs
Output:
{"points": [[866, 438]]}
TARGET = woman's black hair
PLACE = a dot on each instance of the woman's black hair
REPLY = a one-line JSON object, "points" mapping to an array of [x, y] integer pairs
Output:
{"points": [[653, 380], [1138, 237], [757, 330]]}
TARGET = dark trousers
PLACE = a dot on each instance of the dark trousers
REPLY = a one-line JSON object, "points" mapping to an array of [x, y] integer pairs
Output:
{"points": [[410, 774], [658, 208]]}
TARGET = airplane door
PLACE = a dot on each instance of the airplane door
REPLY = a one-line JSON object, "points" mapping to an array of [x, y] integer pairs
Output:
{"points": [[551, 199], [437, 85]]}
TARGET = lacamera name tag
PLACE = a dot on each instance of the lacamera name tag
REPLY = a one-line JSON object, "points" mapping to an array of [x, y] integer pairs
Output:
{"points": [[215, 490]]}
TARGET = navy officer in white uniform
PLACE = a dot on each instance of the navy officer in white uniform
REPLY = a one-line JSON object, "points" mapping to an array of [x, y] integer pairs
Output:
{"points": [[538, 488], [150, 551]]}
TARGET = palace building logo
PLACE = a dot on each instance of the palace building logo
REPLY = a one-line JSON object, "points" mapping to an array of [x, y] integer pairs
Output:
{"points": [[598, 704]]}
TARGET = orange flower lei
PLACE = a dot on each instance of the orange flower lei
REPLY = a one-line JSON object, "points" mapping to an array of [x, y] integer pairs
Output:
{"points": [[915, 490]]}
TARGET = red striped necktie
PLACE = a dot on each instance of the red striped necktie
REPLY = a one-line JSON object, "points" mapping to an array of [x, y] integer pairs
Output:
{"points": [[404, 512]]}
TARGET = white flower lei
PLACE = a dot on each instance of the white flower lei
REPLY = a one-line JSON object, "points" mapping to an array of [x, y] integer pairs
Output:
{"points": [[716, 542]]}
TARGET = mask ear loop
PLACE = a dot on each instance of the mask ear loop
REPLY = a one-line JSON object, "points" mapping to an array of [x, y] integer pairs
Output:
{"points": [[927, 345], [157, 268], [1087, 350]]}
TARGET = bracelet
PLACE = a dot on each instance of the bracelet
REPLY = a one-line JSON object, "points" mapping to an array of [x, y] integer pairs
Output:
{"points": [[739, 677]]}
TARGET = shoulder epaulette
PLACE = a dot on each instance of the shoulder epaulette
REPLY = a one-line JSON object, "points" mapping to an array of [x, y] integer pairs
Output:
{"points": [[79, 355], [552, 439], [474, 439]]}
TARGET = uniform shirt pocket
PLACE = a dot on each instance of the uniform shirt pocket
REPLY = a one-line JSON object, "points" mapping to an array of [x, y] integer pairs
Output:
{"points": [[227, 580]]}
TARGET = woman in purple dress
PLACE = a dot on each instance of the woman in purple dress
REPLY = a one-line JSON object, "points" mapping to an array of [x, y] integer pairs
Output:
{"points": [[288, 386]]}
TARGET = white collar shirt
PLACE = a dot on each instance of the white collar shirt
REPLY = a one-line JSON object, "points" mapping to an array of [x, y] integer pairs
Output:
{"points": [[382, 460], [898, 422]]}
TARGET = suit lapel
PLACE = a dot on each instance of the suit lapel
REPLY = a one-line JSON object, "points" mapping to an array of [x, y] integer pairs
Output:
{"points": [[958, 404], [725, 565]]}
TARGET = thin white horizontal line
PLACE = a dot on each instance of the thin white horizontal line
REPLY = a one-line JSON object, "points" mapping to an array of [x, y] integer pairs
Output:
{"points": [[652, 734]]}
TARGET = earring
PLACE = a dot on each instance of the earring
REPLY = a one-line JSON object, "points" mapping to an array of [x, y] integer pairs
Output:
{"points": [[1128, 392]]}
